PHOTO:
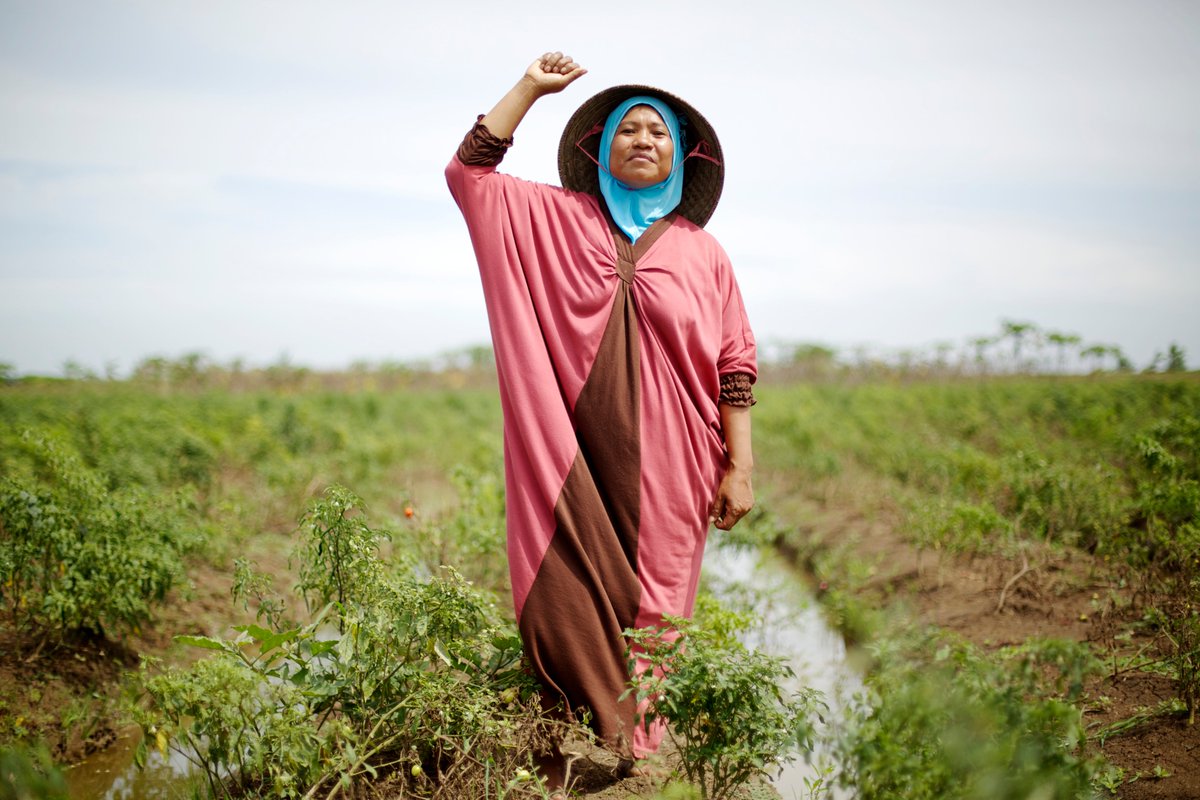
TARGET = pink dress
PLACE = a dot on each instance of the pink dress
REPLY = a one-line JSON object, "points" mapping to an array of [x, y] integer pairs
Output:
{"points": [[610, 359]]}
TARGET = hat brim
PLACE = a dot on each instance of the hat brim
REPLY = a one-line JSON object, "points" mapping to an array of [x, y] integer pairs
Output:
{"points": [[702, 178]]}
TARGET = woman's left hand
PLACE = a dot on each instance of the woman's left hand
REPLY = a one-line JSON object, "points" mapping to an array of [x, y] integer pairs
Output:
{"points": [[735, 498]]}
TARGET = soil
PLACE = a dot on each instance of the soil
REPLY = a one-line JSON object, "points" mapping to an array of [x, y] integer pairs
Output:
{"points": [[593, 774], [995, 601]]}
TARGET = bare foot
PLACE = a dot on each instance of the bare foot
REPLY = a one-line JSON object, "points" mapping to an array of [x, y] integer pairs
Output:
{"points": [[651, 767]]}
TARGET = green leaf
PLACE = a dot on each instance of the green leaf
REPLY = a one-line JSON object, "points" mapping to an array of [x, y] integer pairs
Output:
{"points": [[276, 639], [257, 632], [320, 648], [345, 647], [203, 642]]}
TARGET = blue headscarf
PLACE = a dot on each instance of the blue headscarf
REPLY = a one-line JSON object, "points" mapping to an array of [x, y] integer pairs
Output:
{"points": [[635, 209]]}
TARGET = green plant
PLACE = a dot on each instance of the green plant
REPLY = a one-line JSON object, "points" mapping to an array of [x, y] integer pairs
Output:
{"points": [[74, 555], [1169, 500], [249, 586], [240, 727], [728, 713], [420, 674], [1062, 501], [1111, 778], [966, 726], [1141, 716], [337, 558], [28, 773], [957, 527]]}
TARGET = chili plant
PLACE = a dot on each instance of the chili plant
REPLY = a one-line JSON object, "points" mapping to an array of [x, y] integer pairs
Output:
{"points": [[727, 711], [395, 670], [74, 555]]}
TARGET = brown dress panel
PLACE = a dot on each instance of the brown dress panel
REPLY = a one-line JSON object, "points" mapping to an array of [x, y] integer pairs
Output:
{"points": [[574, 615]]}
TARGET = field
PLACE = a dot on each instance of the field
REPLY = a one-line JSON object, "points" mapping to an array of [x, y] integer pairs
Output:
{"points": [[995, 542], [1015, 559]]}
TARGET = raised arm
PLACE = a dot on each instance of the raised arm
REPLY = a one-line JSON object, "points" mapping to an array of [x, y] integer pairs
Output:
{"points": [[550, 73]]}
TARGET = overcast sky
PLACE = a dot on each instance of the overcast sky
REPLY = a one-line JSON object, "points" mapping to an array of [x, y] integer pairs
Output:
{"points": [[264, 179]]}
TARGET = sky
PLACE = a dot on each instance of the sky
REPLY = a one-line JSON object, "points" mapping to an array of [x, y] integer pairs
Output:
{"points": [[263, 180]]}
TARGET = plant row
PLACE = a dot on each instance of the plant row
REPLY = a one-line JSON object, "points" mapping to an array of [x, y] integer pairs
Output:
{"points": [[1026, 469]]}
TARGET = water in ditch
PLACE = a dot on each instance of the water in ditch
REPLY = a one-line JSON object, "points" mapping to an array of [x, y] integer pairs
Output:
{"points": [[112, 775], [793, 628]]}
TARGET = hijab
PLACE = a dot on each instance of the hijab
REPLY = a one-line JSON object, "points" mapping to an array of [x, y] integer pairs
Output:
{"points": [[634, 210]]}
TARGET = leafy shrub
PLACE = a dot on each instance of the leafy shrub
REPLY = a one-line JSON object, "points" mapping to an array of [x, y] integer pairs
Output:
{"points": [[420, 673], [30, 774], [728, 714], [239, 723], [1168, 492], [1168, 500], [957, 527], [967, 726], [76, 556], [1057, 500], [338, 556]]}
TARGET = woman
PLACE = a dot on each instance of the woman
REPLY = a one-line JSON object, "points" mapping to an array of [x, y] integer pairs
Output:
{"points": [[625, 363]]}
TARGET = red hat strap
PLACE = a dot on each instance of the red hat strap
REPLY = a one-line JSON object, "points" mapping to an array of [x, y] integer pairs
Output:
{"points": [[597, 128], [702, 150]]}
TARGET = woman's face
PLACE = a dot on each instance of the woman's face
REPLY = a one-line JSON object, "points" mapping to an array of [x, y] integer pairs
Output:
{"points": [[642, 149]]}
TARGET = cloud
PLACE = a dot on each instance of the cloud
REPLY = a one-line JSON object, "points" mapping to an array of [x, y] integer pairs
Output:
{"points": [[252, 177]]}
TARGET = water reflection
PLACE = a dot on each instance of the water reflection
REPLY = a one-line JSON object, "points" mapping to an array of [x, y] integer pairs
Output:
{"points": [[793, 628], [112, 775]]}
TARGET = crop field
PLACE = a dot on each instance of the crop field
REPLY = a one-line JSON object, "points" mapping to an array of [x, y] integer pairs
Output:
{"points": [[1012, 553], [298, 580]]}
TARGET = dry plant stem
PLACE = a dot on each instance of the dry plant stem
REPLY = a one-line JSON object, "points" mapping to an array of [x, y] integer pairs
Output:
{"points": [[1137, 667], [37, 651], [311, 793], [567, 762], [1025, 569]]}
